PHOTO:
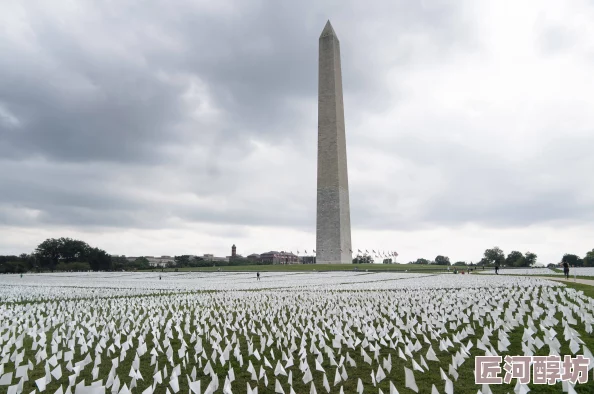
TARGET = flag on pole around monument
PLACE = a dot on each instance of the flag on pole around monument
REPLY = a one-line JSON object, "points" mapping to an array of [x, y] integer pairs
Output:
{"points": [[358, 250], [314, 250]]}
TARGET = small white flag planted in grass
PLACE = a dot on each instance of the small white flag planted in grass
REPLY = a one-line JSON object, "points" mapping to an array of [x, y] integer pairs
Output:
{"points": [[307, 377], [325, 383], [431, 356], [227, 387], [337, 377], [174, 384], [319, 367], [279, 370], [410, 382], [380, 375], [448, 387], [452, 371], [486, 389], [393, 389], [40, 383], [148, 390], [278, 388]]}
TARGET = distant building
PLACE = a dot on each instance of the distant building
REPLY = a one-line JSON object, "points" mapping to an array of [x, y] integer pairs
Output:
{"points": [[254, 257], [211, 257], [274, 257], [234, 256], [153, 261]]}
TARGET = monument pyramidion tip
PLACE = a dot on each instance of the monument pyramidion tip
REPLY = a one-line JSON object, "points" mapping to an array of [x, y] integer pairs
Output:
{"points": [[328, 30]]}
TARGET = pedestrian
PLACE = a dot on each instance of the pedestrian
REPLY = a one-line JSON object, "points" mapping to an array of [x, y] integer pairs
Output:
{"points": [[566, 269], [497, 269], [258, 275], [159, 277]]}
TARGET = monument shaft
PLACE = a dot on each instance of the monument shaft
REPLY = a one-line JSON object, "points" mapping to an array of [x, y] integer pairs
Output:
{"points": [[333, 227]]}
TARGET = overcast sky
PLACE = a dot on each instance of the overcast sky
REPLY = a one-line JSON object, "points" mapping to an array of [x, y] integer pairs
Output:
{"points": [[181, 127]]}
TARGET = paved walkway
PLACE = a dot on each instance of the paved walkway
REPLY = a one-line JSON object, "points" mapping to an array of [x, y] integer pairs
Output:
{"points": [[571, 280]]}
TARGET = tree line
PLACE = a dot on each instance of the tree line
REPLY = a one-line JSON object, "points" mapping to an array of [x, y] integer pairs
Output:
{"points": [[496, 256], [58, 254], [67, 254], [492, 256], [577, 261], [201, 262]]}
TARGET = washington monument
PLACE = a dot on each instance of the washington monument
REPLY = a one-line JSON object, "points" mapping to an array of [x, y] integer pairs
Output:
{"points": [[333, 227]]}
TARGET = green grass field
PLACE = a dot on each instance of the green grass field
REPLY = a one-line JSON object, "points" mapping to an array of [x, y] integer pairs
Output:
{"points": [[152, 317]]}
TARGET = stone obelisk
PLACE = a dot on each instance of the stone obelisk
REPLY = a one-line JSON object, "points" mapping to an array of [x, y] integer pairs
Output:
{"points": [[333, 237]]}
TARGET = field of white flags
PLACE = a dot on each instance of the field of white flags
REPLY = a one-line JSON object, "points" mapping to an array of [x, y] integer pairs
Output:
{"points": [[521, 271], [579, 271], [334, 332], [582, 271]]}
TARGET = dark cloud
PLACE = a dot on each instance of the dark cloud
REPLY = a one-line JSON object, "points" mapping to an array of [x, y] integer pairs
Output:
{"points": [[160, 115]]}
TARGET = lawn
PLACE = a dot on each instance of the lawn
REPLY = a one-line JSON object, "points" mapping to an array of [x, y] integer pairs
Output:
{"points": [[338, 327]]}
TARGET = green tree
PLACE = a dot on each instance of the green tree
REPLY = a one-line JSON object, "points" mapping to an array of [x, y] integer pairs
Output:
{"points": [[387, 261], [48, 253], [72, 250], [514, 259], [99, 260], [420, 261], [54, 250], [529, 259], [442, 260], [119, 263], [572, 260], [589, 259], [494, 256], [460, 263], [142, 261], [182, 261]]}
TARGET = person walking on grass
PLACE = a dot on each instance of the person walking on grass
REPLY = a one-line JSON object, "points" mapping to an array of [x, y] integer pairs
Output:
{"points": [[258, 275], [566, 269], [497, 269]]}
